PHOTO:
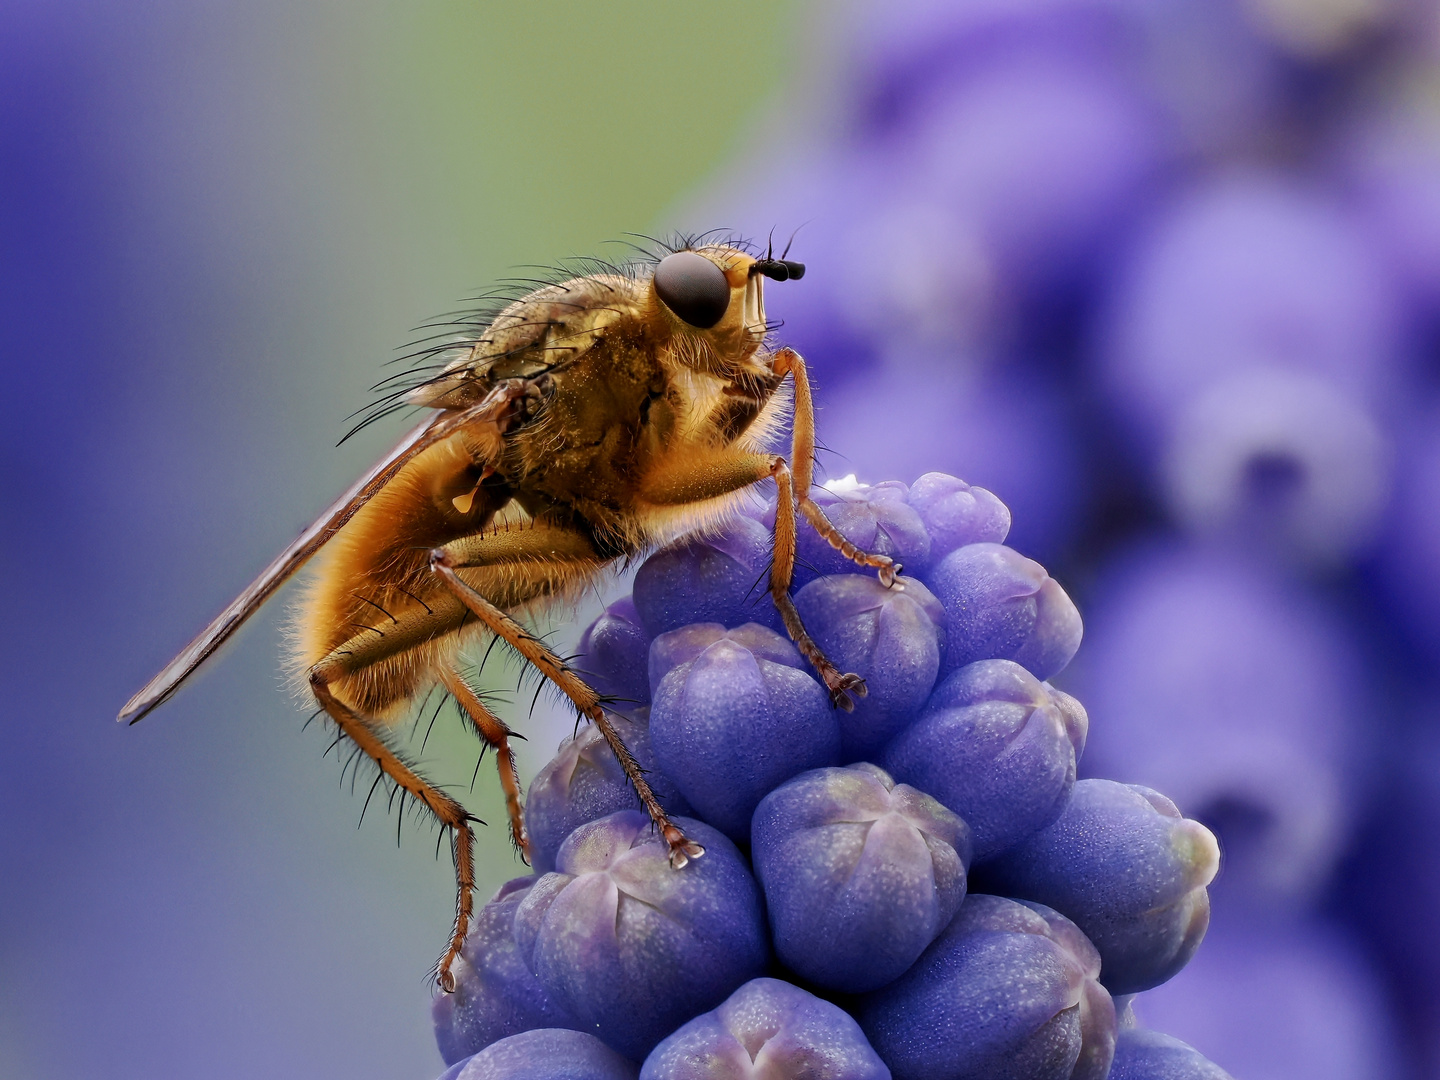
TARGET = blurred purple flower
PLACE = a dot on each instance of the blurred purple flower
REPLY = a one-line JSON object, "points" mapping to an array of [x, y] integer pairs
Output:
{"points": [[1006, 430], [1389, 161], [1410, 551], [1237, 696], [1281, 459], [1275, 1001], [1246, 271]]}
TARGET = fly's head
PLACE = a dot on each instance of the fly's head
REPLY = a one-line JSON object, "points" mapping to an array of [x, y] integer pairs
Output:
{"points": [[711, 299]]}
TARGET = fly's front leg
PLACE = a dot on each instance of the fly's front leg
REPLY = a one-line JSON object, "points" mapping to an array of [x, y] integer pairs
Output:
{"points": [[445, 562], [707, 474], [802, 453]]}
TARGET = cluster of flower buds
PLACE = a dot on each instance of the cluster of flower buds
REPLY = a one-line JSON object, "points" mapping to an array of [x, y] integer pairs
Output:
{"points": [[919, 888]]}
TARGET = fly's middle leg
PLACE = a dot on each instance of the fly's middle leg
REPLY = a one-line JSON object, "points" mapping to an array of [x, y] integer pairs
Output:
{"points": [[495, 733], [444, 562]]}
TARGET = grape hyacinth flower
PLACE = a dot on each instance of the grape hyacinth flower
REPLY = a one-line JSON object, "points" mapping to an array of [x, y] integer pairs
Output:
{"points": [[544, 1054], [629, 946], [614, 654], [584, 781], [708, 580], [1002, 606], [848, 882], [766, 1030], [1129, 870], [998, 747], [1009, 989], [732, 723], [1148, 1055], [859, 873], [892, 638], [496, 995], [877, 518]]}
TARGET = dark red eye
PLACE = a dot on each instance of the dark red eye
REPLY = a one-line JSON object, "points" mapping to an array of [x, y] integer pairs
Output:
{"points": [[693, 287]]}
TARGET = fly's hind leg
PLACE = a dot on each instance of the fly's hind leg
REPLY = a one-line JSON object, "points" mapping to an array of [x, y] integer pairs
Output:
{"points": [[553, 554], [449, 813]]}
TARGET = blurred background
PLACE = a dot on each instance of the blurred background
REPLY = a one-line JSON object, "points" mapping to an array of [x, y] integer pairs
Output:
{"points": [[1163, 274]]}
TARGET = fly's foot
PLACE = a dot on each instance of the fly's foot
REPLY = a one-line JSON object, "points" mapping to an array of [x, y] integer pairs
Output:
{"points": [[682, 848], [444, 977], [844, 689]]}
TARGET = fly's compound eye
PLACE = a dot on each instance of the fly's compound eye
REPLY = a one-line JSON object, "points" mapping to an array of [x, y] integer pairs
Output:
{"points": [[693, 287]]}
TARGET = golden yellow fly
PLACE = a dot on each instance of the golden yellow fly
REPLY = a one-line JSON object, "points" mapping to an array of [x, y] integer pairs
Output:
{"points": [[590, 420]]}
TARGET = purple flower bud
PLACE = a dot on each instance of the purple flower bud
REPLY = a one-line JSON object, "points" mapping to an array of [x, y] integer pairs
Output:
{"points": [[728, 726], [1002, 606], [545, 1054], [612, 654], [631, 947], [1128, 869], [956, 514], [875, 518], [720, 579], [766, 1030], [495, 993], [676, 647], [892, 638], [584, 782], [998, 747], [1008, 989], [860, 874], [1149, 1055]]}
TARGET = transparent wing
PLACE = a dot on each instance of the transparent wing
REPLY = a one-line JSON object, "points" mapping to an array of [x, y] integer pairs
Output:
{"points": [[492, 410]]}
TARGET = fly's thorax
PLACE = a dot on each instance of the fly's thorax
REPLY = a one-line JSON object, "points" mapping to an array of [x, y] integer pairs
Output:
{"points": [[603, 416], [544, 331]]}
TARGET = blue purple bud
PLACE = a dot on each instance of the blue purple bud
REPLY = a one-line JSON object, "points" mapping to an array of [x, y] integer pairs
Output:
{"points": [[544, 1054], [767, 1030], [957, 514], [1130, 871], [612, 654], [860, 874], [875, 518], [892, 638], [495, 993], [730, 725], [1009, 990], [1149, 1055], [631, 947], [1002, 606], [998, 747], [720, 579], [584, 782]]}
